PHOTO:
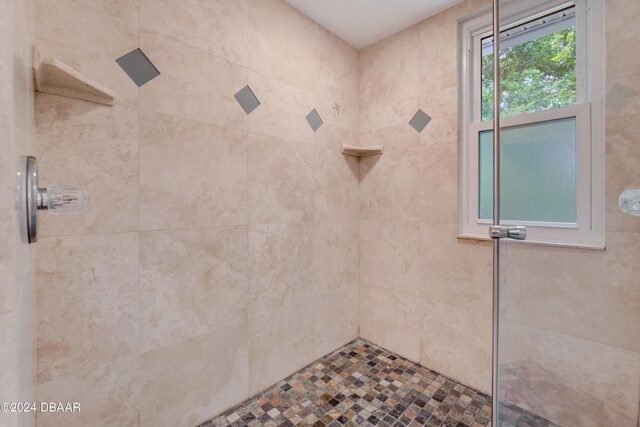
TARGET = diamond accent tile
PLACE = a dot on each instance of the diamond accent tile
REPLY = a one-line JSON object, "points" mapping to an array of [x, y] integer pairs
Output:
{"points": [[420, 120], [247, 99], [314, 120], [138, 67]]}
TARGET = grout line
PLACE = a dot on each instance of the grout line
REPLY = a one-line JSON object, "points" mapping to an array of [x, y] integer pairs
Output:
{"points": [[90, 369], [199, 49], [590, 340], [105, 13], [140, 320], [249, 69], [359, 245], [258, 224], [105, 233], [247, 116], [248, 279]]}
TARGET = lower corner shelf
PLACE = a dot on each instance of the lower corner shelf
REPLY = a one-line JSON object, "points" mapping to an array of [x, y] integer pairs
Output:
{"points": [[353, 150]]}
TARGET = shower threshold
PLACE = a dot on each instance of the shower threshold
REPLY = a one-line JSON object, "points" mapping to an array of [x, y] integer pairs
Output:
{"points": [[362, 384]]}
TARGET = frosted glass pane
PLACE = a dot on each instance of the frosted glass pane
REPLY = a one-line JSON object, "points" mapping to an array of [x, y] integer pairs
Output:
{"points": [[538, 172]]}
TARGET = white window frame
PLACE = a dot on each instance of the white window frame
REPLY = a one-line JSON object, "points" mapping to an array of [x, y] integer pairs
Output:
{"points": [[588, 230]]}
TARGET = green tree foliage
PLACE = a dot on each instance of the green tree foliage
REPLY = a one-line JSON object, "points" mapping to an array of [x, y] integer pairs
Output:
{"points": [[535, 76]]}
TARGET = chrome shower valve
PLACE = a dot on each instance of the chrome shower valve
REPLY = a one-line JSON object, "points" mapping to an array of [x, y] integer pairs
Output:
{"points": [[59, 199]]}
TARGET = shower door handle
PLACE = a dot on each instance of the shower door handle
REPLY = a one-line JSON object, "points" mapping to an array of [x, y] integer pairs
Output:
{"points": [[516, 232]]}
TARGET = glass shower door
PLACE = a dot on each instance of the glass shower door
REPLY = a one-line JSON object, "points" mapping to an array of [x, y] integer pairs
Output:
{"points": [[568, 347]]}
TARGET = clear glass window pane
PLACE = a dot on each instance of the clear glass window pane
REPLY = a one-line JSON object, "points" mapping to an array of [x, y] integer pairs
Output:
{"points": [[537, 66], [538, 172]]}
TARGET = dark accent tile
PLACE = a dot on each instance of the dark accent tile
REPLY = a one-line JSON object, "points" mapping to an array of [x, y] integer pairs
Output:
{"points": [[420, 120], [247, 99], [314, 120], [138, 67]]}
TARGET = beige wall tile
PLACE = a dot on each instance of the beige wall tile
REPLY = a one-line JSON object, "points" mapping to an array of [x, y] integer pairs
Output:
{"points": [[438, 51], [188, 382], [390, 69], [282, 180], [453, 270], [280, 342], [276, 94], [336, 320], [192, 174], [338, 114], [283, 44], [191, 282], [96, 279], [572, 381], [280, 266], [392, 319], [218, 27], [590, 294], [280, 124], [336, 256], [90, 41], [622, 172], [337, 192], [288, 98], [395, 113], [621, 17], [192, 84], [126, 10], [333, 137], [390, 186], [441, 130], [439, 183], [390, 255], [455, 277], [440, 103], [623, 95], [339, 74], [95, 146], [69, 23], [395, 137], [109, 395], [456, 341]]}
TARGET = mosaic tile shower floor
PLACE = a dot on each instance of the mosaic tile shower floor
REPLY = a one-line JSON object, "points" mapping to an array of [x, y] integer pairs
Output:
{"points": [[364, 385]]}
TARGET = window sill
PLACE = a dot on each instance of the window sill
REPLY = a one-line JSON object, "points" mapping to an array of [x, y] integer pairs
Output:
{"points": [[537, 243]]}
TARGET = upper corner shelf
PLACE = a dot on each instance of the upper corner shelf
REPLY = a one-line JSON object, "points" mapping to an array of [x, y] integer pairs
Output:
{"points": [[57, 78], [352, 150]]}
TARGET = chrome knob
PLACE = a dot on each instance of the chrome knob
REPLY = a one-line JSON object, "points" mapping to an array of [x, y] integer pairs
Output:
{"points": [[516, 232], [56, 199]]}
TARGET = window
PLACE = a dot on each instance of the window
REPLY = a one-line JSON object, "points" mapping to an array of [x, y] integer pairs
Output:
{"points": [[552, 155]]}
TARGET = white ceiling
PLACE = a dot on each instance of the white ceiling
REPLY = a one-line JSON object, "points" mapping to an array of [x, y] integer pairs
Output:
{"points": [[363, 22]]}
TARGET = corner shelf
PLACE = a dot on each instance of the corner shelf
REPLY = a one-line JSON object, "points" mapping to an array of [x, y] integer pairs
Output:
{"points": [[353, 150], [57, 78]]}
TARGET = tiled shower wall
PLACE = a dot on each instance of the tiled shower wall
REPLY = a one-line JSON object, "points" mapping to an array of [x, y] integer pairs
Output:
{"points": [[17, 133], [219, 253], [573, 315], [424, 293]]}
